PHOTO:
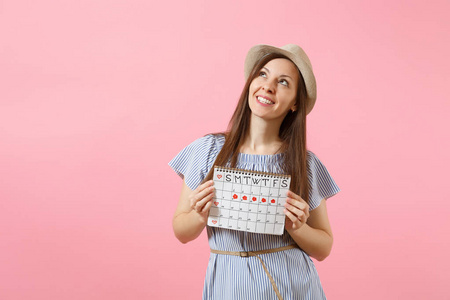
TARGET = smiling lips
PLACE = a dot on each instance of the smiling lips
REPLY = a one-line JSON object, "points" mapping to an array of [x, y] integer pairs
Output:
{"points": [[264, 100]]}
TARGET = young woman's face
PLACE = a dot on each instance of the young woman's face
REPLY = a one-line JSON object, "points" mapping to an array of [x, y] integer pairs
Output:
{"points": [[272, 93]]}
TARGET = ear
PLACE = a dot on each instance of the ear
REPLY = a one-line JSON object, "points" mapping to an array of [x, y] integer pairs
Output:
{"points": [[294, 108]]}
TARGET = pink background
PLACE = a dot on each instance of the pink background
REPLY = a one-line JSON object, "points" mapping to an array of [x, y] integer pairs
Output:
{"points": [[96, 97]]}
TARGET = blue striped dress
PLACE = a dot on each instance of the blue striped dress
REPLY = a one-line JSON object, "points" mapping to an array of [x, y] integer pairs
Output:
{"points": [[234, 277]]}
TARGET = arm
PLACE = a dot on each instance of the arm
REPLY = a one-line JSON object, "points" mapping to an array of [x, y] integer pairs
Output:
{"points": [[310, 230], [191, 214]]}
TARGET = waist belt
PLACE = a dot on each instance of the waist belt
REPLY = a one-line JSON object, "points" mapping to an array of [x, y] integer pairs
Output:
{"points": [[256, 253]]}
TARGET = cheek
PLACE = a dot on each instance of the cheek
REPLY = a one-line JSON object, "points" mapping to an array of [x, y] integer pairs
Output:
{"points": [[251, 87], [293, 100], [255, 83], [290, 98]]}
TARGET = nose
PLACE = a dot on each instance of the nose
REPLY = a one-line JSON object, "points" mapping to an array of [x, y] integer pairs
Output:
{"points": [[269, 86]]}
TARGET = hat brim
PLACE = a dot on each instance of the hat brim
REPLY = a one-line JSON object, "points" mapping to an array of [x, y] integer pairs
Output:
{"points": [[297, 56]]}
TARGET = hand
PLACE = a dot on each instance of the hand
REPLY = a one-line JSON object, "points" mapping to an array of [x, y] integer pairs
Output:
{"points": [[200, 199], [296, 211]]}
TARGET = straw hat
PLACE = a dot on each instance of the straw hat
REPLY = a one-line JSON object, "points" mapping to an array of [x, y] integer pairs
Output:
{"points": [[298, 57]]}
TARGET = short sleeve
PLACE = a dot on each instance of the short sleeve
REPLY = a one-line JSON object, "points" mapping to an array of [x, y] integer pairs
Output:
{"points": [[194, 162], [321, 184]]}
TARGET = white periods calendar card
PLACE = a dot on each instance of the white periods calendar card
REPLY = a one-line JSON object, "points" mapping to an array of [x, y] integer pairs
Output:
{"points": [[249, 201]]}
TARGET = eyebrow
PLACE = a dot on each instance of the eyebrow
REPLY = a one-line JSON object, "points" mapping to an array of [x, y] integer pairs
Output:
{"points": [[264, 68]]}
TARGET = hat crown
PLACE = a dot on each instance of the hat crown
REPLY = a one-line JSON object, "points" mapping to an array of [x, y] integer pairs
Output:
{"points": [[297, 51]]}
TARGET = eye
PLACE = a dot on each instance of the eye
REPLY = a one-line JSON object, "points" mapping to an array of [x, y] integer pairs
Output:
{"points": [[284, 82], [262, 74]]}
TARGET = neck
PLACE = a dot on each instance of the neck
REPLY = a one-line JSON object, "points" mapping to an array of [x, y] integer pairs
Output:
{"points": [[263, 137]]}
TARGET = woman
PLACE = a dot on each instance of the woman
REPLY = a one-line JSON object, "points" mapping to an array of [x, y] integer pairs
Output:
{"points": [[266, 133]]}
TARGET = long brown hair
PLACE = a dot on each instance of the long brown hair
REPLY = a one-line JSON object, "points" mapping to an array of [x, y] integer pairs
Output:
{"points": [[292, 133]]}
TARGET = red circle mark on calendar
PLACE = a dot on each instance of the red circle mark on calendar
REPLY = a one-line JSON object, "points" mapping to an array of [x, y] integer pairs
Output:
{"points": [[273, 200], [254, 198], [219, 176], [235, 196], [214, 221], [263, 200], [244, 198]]}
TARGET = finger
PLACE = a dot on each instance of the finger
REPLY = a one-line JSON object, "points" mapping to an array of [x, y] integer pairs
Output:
{"points": [[295, 221], [200, 204], [298, 202], [192, 201], [207, 207], [207, 191], [199, 196], [293, 205], [302, 218], [204, 186], [300, 205], [293, 195], [300, 214]]}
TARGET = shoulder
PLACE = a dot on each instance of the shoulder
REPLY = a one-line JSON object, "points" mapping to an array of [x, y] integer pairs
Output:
{"points": [[310, 154], [195, 160], [208, 142], [314, 164], [311, 158], [322, 185]]}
